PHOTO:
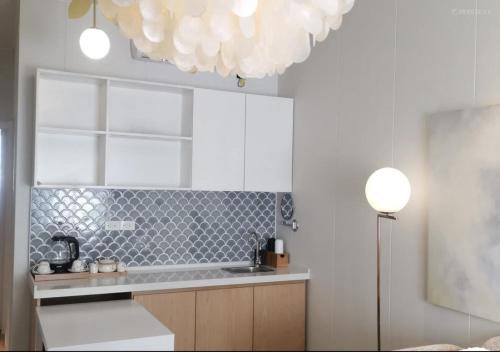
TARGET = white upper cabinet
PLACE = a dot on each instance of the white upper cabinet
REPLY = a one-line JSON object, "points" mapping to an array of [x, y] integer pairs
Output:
{"points": [[218, 140], [106, 132], [93, 131], [269, 144]]}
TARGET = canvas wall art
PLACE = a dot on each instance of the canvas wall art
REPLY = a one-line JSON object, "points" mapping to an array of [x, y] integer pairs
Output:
{"points": [[464, 211]]}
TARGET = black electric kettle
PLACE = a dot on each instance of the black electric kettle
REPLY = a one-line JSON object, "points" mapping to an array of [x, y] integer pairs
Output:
{"points": [[67, 250]]}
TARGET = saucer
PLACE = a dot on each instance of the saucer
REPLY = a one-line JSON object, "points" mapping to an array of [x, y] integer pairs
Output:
{"points": [[37, 273]]}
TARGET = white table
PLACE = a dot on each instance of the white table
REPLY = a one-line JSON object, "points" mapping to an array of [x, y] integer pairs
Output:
{"points": [[102, 326]]}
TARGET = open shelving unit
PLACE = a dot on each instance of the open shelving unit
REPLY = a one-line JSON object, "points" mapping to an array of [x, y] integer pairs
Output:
{"points": [[108, 132]]}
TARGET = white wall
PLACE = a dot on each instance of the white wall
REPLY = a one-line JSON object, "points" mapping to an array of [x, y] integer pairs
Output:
{"points": [[6, 83], [8, 39], [49, 40], [7, 69], [393, 63], [7, 47]]}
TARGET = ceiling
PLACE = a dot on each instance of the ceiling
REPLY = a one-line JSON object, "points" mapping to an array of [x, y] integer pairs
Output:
{"points": [[8, 21]]}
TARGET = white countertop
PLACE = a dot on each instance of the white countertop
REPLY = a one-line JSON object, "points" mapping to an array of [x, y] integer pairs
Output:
{"points": [[158, 278], [103, 326]]}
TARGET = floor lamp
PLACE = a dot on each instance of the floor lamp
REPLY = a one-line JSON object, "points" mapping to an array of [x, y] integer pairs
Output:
{"points": [[388, 191]]}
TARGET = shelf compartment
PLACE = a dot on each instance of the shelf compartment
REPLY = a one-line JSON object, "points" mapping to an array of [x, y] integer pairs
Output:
{"points": [[150, 109], [71, 102], [148, 163], [72, 160]]}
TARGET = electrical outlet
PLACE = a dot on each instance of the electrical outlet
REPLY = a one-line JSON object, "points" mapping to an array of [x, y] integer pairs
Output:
{"points": [[120, 225], [113, 225], [128, 225]]}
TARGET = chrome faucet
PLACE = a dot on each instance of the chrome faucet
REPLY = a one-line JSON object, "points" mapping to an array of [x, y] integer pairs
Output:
{"points": [[256, 259]]}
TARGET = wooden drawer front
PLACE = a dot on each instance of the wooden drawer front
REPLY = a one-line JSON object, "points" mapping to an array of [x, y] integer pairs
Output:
{"points": [[177, 312], [224, 319], [279, 317]]}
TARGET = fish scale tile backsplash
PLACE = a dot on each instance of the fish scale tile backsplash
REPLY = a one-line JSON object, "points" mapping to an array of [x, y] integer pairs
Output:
{"points": [[171, 227]]}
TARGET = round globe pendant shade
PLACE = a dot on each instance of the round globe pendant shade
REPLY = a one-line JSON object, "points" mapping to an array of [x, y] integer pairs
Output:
{"points": [[94, 43], [388, 190]]}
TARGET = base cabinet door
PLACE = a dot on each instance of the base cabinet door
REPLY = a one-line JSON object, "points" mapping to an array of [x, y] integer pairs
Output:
{"points": [[224, 319], [279, 317], [177, 312]]}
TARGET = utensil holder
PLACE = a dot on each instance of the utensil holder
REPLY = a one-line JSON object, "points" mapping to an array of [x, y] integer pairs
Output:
{"points": [[276, 260]]}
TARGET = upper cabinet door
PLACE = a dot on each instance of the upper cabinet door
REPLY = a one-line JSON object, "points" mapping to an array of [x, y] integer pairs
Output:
{"points": [[218, 140], [269, 144]]}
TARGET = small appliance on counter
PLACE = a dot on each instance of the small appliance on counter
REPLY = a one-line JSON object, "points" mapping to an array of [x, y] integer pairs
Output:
{"points": [[67, 250], [274, 254]]}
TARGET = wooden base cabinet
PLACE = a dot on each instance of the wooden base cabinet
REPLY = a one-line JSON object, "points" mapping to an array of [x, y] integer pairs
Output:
{"points": [[177, 312], [224, 319], [236, 318], [279, 317]]}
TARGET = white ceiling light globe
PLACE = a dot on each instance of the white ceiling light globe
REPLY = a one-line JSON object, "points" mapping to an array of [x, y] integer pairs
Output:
{"points": [[388, 190], [245, 8], [94, 43]]}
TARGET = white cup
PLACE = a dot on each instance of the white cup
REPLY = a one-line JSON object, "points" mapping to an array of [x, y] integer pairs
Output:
{"points": [[42, 268], [121, 267], [106, 265], [93, 268], [78, 266]]}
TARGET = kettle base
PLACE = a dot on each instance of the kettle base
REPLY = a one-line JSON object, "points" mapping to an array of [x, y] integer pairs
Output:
{"points": [[60, 267]]}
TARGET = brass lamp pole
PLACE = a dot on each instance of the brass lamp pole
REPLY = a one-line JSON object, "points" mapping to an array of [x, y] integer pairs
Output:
{"points": [[379, 217]]}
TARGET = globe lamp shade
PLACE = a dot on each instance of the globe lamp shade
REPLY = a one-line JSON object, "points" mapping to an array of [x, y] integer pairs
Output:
{"points": [[388, 190], [94, 43]]}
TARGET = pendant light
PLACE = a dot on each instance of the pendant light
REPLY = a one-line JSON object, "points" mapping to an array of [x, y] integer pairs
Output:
{"points": [[249, 38], [94, 42]]}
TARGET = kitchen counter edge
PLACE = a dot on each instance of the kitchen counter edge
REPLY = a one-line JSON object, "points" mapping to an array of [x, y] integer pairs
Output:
{"points": [[73, 288]]}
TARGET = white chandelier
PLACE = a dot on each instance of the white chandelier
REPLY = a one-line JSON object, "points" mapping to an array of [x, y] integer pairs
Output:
{"points": [[250, 38]]}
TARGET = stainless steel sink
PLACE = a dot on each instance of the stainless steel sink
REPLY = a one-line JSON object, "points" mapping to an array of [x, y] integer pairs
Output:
{"points": [[248, 269]]}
